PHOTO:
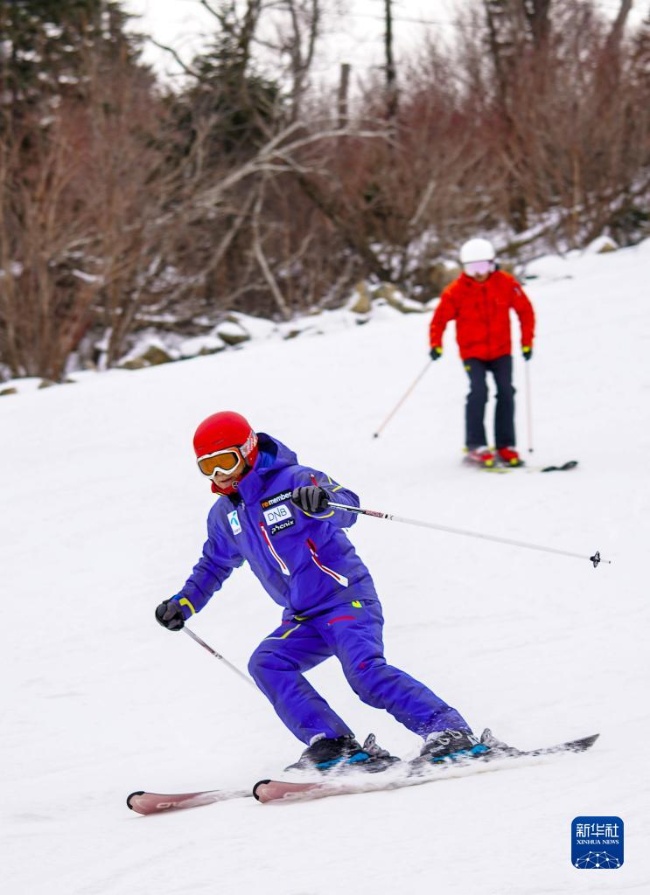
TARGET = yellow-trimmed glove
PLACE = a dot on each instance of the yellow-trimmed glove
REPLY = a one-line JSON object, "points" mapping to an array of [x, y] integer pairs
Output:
{"points": [[170, 615], [435, 352], [310, 498], [526, 352]]}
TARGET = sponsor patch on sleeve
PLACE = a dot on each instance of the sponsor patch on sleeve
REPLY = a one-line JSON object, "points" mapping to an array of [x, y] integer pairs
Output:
{"points": [[235, 524]]}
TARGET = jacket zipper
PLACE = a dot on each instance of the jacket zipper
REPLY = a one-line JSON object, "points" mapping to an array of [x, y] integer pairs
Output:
{"points": [[284, 568], [340, 579]]}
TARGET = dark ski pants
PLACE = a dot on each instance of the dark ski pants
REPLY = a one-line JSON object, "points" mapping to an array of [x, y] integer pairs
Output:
{"points": [[504, 414], [353, 633]]}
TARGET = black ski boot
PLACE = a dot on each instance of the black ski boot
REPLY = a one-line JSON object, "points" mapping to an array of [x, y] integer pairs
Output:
{"points": [[327, 753], [452, 745]]}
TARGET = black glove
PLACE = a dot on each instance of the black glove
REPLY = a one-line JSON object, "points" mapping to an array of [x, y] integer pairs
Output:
{"points": [[527, 352], [310, 498], [170, 615], [435, 352]]}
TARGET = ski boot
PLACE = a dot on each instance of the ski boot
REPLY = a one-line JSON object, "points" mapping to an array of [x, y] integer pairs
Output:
{"points": [[509, 456], [480, 456], [452, 745], [326, 753]]}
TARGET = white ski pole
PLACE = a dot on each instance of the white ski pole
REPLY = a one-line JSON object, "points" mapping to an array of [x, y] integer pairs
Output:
{"points": [[529, 408], [401, 400], [217, 655], [595, 559]]}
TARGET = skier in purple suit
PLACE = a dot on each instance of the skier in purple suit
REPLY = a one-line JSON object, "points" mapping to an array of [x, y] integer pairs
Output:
{"points": [[273, 513]]}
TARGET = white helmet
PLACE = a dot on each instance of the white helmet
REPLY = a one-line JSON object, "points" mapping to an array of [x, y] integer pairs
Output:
{"points": [[477, 250]]}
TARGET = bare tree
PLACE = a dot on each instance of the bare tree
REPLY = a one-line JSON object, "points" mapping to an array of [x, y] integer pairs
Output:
{"points": [[122, 207], [298, 30], [391, 70]]}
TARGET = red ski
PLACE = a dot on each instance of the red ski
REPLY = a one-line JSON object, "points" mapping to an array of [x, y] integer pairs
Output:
{"points": [[156, 802], [405, 773]]}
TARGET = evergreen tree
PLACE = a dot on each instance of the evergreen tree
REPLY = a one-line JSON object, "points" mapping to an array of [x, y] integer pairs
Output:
{"points": [[45, 47], [228, 96]]}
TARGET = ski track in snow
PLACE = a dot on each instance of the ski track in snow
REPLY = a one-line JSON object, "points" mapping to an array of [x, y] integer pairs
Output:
{"points": [[104, 516]]}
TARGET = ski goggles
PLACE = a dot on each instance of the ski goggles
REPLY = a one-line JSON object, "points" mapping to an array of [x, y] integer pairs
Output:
{"points": [[226, 461], [478, 268]]}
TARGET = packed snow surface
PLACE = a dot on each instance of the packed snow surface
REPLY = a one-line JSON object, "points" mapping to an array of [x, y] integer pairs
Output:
{"points": [[104, 516]]}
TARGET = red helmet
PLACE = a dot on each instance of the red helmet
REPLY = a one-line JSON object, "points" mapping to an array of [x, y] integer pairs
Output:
{"points": [[226, 430]]}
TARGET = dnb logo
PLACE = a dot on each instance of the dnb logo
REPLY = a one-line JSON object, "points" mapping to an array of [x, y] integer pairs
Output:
{"points": [[597, 843], [278, 518]]}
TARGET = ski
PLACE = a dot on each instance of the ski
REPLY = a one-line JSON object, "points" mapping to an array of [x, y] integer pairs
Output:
{"points": [[501, 468], [412, 773], [395, 776], [156, 802], [565, 467], [495, 468]]}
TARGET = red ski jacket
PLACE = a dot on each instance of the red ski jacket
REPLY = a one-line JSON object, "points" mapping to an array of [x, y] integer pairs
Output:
{"points": [[482, 315]]}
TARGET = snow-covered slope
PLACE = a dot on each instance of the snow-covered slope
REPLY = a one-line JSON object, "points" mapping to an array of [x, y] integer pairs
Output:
{"points": [[104, 515]]}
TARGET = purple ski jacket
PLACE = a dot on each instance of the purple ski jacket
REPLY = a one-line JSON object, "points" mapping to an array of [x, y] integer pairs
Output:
{"points": [[305, 562]]}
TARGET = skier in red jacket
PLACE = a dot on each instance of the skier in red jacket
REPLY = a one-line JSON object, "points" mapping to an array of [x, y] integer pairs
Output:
{"points": [[480, 301]]}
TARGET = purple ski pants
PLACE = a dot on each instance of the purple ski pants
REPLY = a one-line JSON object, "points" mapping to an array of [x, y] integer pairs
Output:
{"points": [[353, 633]]}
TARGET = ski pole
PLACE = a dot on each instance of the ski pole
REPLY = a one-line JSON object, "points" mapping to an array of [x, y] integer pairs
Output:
{"points": [[401, 400], [217, 655], [595, 559], [529, 409]]}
